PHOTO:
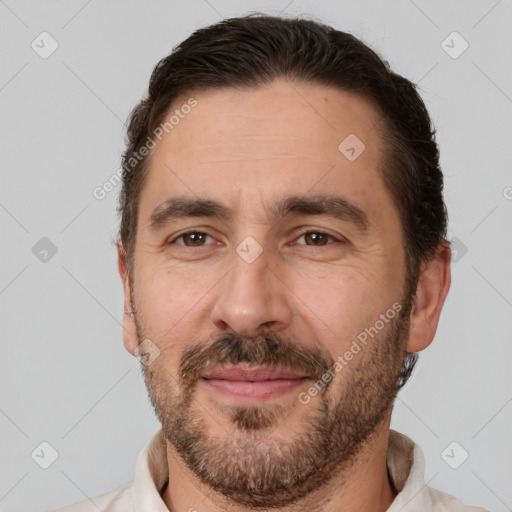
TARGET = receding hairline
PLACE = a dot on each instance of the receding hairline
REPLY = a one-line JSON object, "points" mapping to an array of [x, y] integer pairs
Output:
{"points": [[384, 128]]}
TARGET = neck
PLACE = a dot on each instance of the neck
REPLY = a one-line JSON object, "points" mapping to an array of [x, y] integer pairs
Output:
{"points": [[365, 485]]}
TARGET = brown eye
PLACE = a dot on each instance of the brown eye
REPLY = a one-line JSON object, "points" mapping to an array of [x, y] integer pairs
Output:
{"points": [[316, 238], [192, 239]]}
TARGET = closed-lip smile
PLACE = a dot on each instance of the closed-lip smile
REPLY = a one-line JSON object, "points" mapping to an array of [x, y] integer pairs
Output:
{"points": [[252, 382]]}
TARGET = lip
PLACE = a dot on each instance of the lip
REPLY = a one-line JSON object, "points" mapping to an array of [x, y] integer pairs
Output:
{"points": [[252, 383], [251, 374]]}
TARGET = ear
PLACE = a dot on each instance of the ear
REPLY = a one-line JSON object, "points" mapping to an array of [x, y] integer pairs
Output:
{"points": [[129, 327], [433, 285]]}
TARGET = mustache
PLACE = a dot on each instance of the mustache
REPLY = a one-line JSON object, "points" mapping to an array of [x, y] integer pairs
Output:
{"points": [[271, 349]]}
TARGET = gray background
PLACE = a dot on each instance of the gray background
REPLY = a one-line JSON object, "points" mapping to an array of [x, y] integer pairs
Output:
{"points": [[65, 376]]}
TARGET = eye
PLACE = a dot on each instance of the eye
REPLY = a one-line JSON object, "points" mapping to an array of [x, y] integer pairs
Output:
{"points": [[191, 239], [316, 238], [199, 239]]}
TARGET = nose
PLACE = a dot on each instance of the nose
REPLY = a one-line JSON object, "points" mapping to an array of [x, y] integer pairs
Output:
{"points": [[252, 298]]}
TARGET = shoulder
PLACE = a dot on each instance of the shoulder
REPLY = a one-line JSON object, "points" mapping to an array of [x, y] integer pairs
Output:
{"points": [[442, 502], [120, 499]]}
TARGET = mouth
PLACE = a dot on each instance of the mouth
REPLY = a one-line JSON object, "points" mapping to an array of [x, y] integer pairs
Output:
{"points": [[253, 382]]}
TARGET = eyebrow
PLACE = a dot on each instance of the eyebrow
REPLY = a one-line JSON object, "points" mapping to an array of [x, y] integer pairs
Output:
{"points": [[334, 206]]}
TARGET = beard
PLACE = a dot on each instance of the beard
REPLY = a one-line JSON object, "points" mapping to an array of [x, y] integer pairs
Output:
{"points": [[250, 466]]}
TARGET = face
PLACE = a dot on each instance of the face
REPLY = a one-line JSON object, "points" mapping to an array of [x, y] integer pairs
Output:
{"points": [[269, 278]]}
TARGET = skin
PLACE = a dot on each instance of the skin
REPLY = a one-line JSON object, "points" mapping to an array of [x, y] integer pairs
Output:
{"points": [[248, 149]]}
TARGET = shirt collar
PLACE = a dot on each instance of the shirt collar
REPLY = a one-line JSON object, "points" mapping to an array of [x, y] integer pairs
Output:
{"points": [[406, 468], [151, 475], [405, 461]]}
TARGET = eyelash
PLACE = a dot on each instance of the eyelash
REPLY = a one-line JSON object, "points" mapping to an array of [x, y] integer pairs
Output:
{"points": [[310, 231]]}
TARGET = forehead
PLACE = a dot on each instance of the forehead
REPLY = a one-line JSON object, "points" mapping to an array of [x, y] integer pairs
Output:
{"points": [[309, 119], [250, 146]]}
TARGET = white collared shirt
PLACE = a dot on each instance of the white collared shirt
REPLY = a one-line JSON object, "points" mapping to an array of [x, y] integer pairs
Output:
{"points": [[405, 461]]}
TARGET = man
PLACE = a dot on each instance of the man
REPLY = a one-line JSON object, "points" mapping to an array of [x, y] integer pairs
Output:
{"points": [[283, 255]]}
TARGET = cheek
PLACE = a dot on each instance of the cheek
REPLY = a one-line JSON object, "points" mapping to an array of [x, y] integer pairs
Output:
{"points": [[341, 305], [165, 302], [169, 292]]}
